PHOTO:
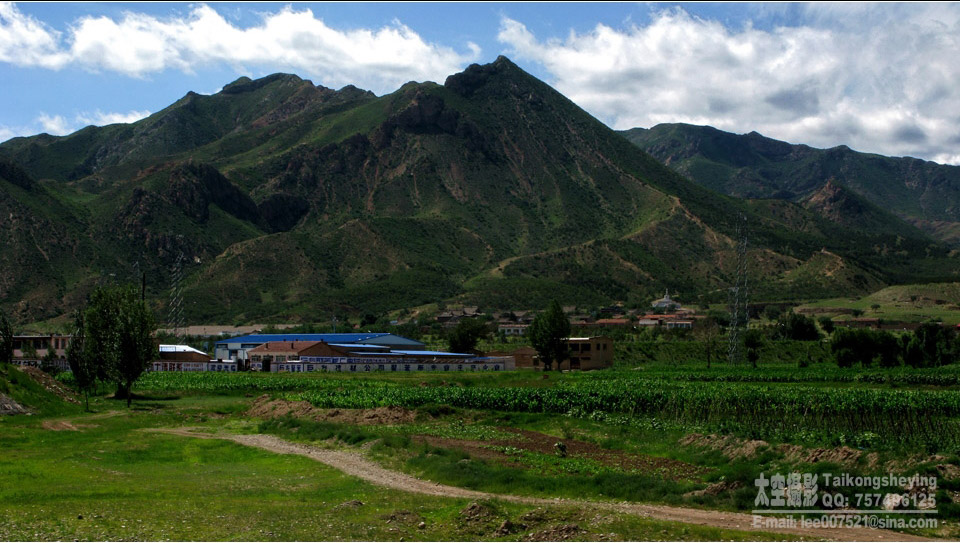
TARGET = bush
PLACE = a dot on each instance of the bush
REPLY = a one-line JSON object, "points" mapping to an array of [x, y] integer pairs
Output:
{"points": [[851, 346], [797, 327]]}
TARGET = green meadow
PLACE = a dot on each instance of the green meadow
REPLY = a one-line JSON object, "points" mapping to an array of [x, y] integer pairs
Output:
{"points": [[105, 475]]}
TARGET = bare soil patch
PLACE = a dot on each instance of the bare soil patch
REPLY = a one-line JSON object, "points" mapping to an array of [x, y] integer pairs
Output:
{"points": [[266, 407], [59, 426], [402, 517], [949, 471], [542, 443], [841, 455], [735, 447], [51, 384], [730, 446]]}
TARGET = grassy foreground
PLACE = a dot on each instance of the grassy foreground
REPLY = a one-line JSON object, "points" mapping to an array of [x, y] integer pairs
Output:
{"points": [[102, 477]]}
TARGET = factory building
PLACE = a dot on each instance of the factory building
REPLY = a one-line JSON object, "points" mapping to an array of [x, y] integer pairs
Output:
{"points": [[237, 348]]}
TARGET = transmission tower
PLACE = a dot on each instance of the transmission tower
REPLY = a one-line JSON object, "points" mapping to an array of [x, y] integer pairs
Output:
{"points": [[739, 297], [175, 307]]}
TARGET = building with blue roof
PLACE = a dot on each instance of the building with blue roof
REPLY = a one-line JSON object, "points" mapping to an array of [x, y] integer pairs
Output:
{"points": [[311, 356], [236, 348]]}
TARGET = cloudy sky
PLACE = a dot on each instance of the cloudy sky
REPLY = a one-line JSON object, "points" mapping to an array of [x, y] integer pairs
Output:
{"points": [[879, 78]]}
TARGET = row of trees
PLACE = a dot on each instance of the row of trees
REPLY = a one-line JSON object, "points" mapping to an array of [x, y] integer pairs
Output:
{"points": [[930, 345], [112, 341]]}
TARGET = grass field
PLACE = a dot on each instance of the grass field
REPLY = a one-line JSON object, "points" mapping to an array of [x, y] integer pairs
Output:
{"points": [[65, 474], [110, 480], [908, 303]]}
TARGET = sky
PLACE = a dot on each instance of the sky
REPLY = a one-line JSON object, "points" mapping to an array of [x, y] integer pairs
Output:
{"points": [[879, 78]]}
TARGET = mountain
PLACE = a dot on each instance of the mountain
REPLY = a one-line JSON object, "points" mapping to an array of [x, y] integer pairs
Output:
{"points": [[288, 200], [924, 194]]}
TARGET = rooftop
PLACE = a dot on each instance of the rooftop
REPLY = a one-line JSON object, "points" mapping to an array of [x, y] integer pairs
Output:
{"points": [[284, 346], [327, 338], [180, 349]]}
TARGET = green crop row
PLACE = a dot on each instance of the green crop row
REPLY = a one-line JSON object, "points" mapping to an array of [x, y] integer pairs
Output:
{"points": [[711, 398], [245, 382], [820, 373], [901, 416]]}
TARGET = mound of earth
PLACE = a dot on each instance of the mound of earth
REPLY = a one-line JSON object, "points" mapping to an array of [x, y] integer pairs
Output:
{"points": [[840, 455], [562, 532], [479, 519], [542, 443], [476, 513], [730, 446], [735, 447], [266, 407], [51, 384], [10, 407], [402, 517]]}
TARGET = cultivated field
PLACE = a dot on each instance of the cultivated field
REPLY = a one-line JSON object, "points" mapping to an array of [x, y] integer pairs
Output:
{"points": [[658, 452]]}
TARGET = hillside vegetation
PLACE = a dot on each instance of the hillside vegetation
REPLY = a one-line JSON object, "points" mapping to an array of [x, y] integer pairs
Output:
{"points": [[290, 200], [861, 191]]}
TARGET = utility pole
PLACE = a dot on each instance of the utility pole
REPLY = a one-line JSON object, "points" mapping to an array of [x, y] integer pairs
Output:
{"points": [[175, 306], [739, 297]]}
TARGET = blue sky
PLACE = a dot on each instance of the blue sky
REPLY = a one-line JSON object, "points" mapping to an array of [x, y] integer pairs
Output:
{"points": [[877, 77]]}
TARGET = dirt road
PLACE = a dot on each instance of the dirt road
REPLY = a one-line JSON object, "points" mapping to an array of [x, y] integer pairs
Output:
{"points": [[355, 464]]}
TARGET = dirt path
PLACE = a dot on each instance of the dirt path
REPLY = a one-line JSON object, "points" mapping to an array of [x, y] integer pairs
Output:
{"points": [[353, 463]]}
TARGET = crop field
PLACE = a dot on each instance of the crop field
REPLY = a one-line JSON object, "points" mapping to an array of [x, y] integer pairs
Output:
{"points": [[677, 435], [767, 403]]}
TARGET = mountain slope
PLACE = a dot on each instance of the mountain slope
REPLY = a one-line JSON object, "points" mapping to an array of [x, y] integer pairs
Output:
{"points": [[491, 188], [923, 194]]}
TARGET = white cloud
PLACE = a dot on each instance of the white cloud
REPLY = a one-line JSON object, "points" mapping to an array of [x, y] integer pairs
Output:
{"points": [[6, 133], [27, 42], [58, 125], [877, 78], [55, 125], [99, 118], [137, 44]]}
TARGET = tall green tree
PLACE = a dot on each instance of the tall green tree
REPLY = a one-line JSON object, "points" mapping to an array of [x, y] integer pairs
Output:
{"points": [[82, 364], [865, 346], [707, 332], [548, 334], [797, 327], [464, 337], [930, 345], [6, 339], [137, 349], [753, 343], [119, 336]]}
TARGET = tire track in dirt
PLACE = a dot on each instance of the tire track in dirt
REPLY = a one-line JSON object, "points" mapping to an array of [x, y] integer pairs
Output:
{"points": [[355, 464]]}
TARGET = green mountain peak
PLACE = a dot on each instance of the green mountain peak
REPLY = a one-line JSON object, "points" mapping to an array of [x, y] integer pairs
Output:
{"points": [[289, 199]]}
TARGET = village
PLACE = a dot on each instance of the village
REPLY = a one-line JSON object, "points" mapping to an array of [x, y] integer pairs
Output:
{"points": [[282, 348], [251, 350]]}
